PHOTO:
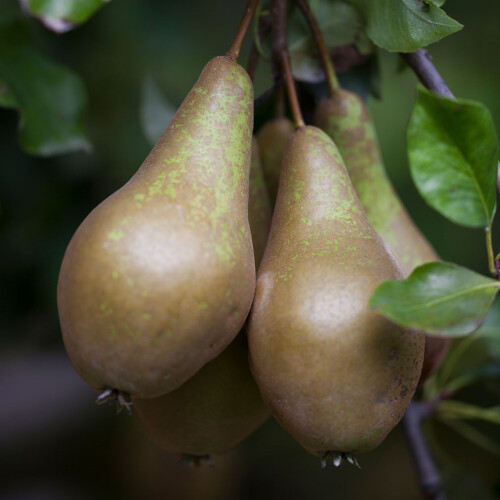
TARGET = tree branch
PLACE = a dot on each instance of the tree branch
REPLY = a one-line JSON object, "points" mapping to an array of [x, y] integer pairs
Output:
{"points": [[428, 475], [421, 64]]}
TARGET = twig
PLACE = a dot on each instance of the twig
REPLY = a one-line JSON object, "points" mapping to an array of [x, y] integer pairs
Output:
{"points": [[428, 475], [421, 64]]}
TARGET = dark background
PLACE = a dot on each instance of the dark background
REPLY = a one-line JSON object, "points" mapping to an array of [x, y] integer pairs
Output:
{"points": [[54, 442]]}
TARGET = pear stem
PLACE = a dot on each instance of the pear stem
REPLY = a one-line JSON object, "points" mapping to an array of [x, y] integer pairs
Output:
{"points": [[234, 50], [292, 91], [331, 78], [280, 52], [489, 249]]}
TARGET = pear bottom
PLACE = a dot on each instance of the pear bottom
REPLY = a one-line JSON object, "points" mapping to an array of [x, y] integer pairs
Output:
{"points": [[337, 376], [212, 412]]}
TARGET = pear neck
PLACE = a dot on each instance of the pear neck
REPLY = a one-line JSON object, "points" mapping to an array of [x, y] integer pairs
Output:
{"points": [[315, 187]]}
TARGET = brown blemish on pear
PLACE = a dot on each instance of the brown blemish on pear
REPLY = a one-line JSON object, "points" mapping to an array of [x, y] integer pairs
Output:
{"points": [[345, 118], [330, 369], [220, 405], [159, 278]]}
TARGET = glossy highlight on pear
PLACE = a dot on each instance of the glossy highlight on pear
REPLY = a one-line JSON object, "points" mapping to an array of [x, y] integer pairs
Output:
{"points": [[221, 404], [160, 277], [335, 374]]}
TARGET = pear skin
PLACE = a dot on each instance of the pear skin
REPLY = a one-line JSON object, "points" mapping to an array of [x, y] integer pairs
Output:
{"points": [[272, 137], [159, 278], [212, 412], [345, 118], [259, 205], [220, 405], [335, 374]]}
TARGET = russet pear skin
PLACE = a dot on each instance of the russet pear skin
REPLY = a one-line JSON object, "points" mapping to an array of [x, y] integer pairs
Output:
{"points": [[272, 137], [345, 118], [220, 405], [159, 278], [335, 374]]}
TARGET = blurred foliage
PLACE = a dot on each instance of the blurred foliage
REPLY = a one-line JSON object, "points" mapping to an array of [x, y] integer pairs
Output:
{"points": [[49, 97], [62, 15], [340, 25], [155, 112], [42, 201]]}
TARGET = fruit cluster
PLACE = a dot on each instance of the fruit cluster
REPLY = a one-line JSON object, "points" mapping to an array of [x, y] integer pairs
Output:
{"points": [[158, 281]]}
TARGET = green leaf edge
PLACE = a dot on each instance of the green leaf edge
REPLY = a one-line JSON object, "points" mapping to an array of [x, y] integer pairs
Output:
{"points": [[378, 308]]}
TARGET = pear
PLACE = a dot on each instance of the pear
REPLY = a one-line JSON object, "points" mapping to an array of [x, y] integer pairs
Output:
{"points": [[220, 405], [335, 374], [212, 412], [272, 137], [259, 205], [159, 278], [345, 118]]}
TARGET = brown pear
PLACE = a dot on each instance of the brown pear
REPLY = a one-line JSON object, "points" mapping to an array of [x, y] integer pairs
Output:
{"points": [[334, 373], [272, 137], [345, 118], [160, 277], [220, 405]]}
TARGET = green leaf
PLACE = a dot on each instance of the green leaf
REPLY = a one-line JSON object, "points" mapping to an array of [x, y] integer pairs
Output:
{"points": [[450, 409], [62, 15], [453, 155], [439, 298], [155, 111], [340, 25], [50, 98], [405, 25]]}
